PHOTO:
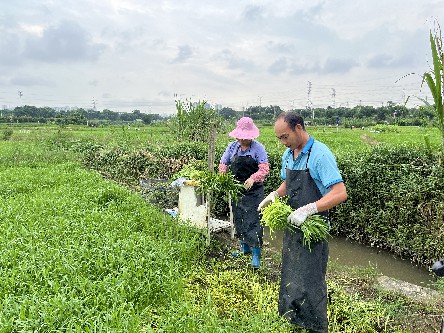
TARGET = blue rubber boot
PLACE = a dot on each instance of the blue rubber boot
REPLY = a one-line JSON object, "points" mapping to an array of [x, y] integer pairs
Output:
{"points": [[256, 259], [244, 249]]}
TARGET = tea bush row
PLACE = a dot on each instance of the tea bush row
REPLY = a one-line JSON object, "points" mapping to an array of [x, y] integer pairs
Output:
{"points": [[395, 191], [396, 201]]}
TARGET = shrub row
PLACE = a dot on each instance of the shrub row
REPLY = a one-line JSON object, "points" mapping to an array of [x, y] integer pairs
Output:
{"points": [[395, 192], [396, 201]]}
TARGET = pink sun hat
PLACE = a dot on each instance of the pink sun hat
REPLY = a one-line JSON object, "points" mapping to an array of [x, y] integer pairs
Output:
{"points": [[245, 129]]}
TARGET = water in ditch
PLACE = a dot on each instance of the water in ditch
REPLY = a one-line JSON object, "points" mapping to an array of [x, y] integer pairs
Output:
{"points": [[349, 253]]}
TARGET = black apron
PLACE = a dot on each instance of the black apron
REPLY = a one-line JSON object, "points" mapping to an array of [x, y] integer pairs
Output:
{"points": [[245, 215], [303, 289]]}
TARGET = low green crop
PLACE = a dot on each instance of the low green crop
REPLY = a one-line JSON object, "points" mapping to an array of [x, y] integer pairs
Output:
{"points": [[315, 228]]}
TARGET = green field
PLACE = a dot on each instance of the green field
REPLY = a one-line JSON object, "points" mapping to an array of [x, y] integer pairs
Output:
{"points": [[81, 253]]}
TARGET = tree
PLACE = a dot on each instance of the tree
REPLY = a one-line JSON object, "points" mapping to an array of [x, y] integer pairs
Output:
{"points": [[149, 118], [228, 113]]}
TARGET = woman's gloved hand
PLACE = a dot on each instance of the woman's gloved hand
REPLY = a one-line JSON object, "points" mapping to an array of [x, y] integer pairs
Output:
{"points": [[248, 183], [300, 215], [268, 200]]}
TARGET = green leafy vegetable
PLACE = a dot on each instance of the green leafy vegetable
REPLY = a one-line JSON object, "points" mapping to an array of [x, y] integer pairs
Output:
{"points": [[216, 183], [315, 229], [275, 215]]}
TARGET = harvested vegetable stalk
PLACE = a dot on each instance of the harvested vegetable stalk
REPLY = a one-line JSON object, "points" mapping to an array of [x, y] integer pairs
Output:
{"points": [[315, 229], [216, 183], [275, 215], [223, 183]]}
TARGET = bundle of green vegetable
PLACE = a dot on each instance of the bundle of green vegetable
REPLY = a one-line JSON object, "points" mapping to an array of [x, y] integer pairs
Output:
{"points": [[223, 183], [214, 182], [275, 215], [315, 229]]}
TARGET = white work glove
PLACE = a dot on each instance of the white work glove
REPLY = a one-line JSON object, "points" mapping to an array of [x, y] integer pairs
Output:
{"points": [[300, 215], [248, 183], [268, 200]]}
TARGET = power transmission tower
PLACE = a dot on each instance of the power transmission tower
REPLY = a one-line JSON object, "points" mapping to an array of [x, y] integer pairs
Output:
{"points": [[333, 95], [20, 94], [309, 103]]}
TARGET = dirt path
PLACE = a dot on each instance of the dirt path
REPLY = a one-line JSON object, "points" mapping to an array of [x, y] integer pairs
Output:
{"points": [[369, 140]]}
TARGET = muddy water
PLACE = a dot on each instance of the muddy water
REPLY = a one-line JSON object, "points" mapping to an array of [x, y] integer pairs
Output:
{"points": [[354, 254]]}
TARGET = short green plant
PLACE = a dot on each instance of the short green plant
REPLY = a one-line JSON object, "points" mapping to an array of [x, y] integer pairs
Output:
{"points": [[222, 183], [7, 133], [193, 121]]}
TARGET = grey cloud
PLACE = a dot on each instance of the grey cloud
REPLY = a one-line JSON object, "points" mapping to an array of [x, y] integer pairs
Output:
{"points": [[279, 66], [387, 61], [235, 62], [380, 61], [185, 52], [335, 65], [253, 13], [314, 11], [297, 69], [66, 42], [10, 50], [280, 47], [27, 81], [165, 93]]}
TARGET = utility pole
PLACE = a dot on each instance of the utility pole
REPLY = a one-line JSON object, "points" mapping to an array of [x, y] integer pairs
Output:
{"points": [[260, 101]]}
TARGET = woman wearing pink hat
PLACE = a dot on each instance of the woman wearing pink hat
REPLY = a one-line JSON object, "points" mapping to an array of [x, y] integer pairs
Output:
{"points": [[248, 162]]}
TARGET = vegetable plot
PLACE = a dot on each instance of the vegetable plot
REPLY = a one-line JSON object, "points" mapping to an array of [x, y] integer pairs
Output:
{"points": [[275, 215]]}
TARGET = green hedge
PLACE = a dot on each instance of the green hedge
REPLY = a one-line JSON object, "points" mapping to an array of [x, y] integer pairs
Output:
{"points": [[396, 201], [396, 193]]}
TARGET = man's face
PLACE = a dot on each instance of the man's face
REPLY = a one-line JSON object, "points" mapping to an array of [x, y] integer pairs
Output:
{"points": [[288, 137]]}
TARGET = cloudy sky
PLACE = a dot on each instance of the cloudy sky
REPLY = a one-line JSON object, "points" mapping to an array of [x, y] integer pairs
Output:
{"points": [[124, 55]]}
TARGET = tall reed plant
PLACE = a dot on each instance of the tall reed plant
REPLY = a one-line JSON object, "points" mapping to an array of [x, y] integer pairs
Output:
{"points": [[434, 80]]}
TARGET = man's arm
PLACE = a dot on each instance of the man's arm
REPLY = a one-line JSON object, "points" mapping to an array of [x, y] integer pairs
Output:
{"points": [[337, 194]]}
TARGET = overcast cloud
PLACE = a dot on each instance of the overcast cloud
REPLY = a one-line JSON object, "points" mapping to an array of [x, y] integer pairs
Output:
{"points": [[124, 55]]}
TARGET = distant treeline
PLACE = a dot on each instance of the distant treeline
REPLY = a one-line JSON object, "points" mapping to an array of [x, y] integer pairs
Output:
{"points": [[357, 116], [33, 114]]}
